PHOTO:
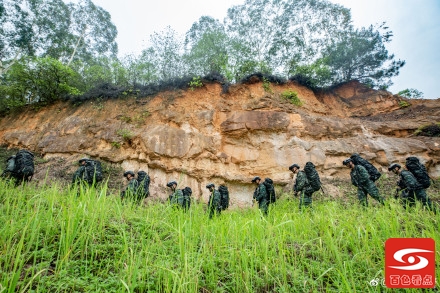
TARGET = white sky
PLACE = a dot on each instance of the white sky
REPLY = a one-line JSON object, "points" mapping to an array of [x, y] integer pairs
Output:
{"points": [[415, 24]]}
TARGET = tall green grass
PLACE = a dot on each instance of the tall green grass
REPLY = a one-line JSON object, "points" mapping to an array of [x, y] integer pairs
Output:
{"points": [[52, 240]]}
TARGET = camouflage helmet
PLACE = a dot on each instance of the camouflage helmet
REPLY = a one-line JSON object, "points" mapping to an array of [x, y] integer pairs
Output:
{"points": [[210, 185], [255, 179], [392, 166], [346, 161], [82, 160], [294, 166], [171, 183], [128, 172]]}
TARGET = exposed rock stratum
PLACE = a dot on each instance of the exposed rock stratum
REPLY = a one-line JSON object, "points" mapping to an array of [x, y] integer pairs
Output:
{"points": [[202, 136]]}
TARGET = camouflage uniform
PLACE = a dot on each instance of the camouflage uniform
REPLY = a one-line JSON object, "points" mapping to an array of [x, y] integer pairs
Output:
{"points": [[412, 190], [260, 195], [10, 167], [80, 175], [131, 190], [80, 179], [10, 164], [302, 185], [214, 203], [361, 179], [177, 199]]}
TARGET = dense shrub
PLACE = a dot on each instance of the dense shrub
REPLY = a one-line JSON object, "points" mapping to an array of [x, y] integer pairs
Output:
{"points": [[260, 77], [304, 80], [101, 91], [37, 80], [404, 104], [432, 130], [112, 91], [217, 77], [292, 97]]}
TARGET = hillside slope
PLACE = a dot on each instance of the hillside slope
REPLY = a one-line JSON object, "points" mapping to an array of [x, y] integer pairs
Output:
{"points": [[202, 136]]}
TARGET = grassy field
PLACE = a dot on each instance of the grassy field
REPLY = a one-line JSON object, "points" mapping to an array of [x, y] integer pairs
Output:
{"points": [[53, 241]]}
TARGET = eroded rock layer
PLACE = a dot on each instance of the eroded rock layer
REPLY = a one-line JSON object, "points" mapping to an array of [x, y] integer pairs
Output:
{"points": [[202, 136]]}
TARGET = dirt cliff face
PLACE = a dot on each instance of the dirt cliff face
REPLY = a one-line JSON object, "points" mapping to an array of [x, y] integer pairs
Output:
{"points": [[202, 136]]}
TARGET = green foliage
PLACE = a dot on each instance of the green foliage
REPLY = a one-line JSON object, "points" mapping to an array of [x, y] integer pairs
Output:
{"points": [[361, 54], [314, 42], [140, 70], [431, 130], [317, 74], [267, 86], [139, 119], [98, 104], [42, 80], [91, 32], [32, 27], [101, 71], [53, 28], [281, 32], [411, 94], [208, 45], [404, 104], [126, 134], [166, 53], [125, 118], [292, 97], [196, 82], [116, 144], [55, 241]]}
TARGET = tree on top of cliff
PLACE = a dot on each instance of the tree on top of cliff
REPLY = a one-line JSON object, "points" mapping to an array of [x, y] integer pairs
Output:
{"points": [[314, 39], [44, 43], [361, 54], [206, 47], [166, 52], [52, 28]]}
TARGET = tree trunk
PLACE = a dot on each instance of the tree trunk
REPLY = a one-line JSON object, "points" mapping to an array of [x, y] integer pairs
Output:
{"points": [[76, 46]]}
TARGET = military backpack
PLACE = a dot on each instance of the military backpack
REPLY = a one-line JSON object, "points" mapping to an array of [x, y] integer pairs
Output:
{"points": [[224, 193], [93, 171], [24, 164], [372, 171], [187, 192], [419, 171], [270, 190], [312, 176], [144, 183]]}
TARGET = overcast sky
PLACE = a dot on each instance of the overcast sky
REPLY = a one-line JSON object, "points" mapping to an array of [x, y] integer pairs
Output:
{"points": [[415, 24]]}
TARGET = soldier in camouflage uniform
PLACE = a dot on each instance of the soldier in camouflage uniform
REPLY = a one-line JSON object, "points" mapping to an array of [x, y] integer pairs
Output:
{"points": [[410, 187], [302, 187], [176, 198], [131, 191], [260, 195], [80, 175], [214, 203], [361, 179]]}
